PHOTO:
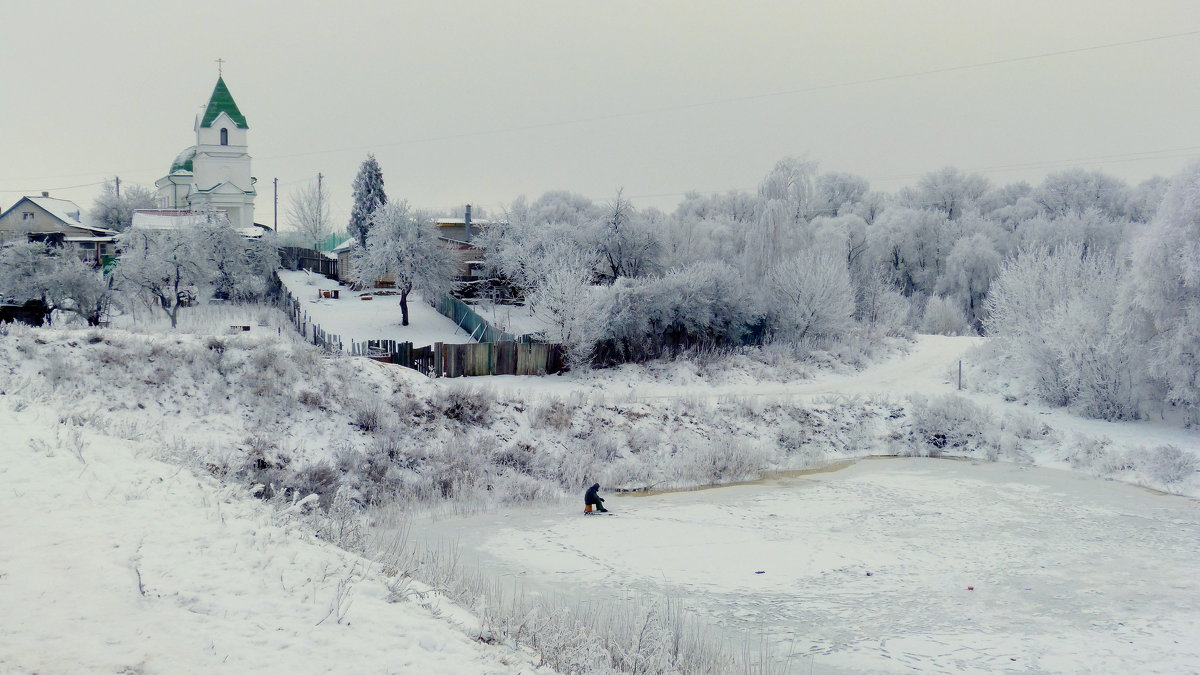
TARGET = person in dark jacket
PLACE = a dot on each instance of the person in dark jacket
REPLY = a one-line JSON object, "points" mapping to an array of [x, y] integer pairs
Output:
{"points": [[593, 498]]}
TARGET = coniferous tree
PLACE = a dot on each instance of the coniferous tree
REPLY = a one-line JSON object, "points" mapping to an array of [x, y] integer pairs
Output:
{"points": [[368, 196]]}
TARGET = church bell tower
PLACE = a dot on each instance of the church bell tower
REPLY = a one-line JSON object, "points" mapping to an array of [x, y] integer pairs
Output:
{"points": [[221, 165]]}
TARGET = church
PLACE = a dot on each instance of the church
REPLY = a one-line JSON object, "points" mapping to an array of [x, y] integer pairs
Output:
{"points": [[213, 174]]}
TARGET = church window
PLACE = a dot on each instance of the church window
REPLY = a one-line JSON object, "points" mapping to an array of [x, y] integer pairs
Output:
{"points": [[224, 137]]}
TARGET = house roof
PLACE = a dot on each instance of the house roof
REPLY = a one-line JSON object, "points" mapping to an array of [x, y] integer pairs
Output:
{"points": [[183, 161], [64, 210], [67, 212], [221, 101]]}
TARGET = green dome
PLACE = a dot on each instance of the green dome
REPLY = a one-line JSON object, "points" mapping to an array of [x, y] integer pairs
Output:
{"points": [[183, 162]]}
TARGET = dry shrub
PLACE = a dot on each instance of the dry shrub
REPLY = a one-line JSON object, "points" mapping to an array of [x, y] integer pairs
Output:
{"points": [[552, 414], [467, 405]]}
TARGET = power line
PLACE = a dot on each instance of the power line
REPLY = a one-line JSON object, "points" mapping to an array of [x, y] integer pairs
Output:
{"points": [[752, 97], [67, 187]]}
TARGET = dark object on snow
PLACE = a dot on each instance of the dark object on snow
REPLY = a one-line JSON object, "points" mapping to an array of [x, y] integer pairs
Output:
{"points": [[592, 498], [33, 312]]}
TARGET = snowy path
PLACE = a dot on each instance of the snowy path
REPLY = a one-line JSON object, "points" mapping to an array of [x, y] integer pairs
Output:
{"points": [[925, 367], [929, 368], [868, 568], [120, 563]]}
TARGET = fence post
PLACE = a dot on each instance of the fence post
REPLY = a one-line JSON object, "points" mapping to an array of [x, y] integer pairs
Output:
{"points": [[437, 359]]}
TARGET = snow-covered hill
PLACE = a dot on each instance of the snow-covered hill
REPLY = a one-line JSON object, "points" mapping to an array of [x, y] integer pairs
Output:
{"points": [[114, 561]]}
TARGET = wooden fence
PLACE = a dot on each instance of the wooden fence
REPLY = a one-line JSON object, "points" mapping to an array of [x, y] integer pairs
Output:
{"points": [[466, 360], [438, 359], [305, 326], [483, 358], [295, 257]]}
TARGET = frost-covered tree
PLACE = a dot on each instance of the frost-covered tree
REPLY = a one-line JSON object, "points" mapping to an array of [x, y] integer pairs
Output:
{"points": [[626, 241], [838, 193], [970, 268], [810, 297], [913, 245], [844, 235], [404, 246], [240, 267], [1091, 229], [1166, 291], [569, 303], [63, 282], [702, 305], [950, 191], [310, 213], [944, 316], [1054, 312], [685, 240], [368, 196], [871, 206], [791, 183], [738, 207], [1003, 197], [1079, 190], [771, 238], [518, 246], [166, 268], [877, 303], [559, 207], [1144, 199], [115, 211]]}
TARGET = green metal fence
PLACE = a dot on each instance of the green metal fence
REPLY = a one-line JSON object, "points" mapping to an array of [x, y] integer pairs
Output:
{"points": [[476, 326]]}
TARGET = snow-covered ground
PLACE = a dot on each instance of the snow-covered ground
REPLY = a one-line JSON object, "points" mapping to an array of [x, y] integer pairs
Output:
{"points": [[516, 319], [895, 565], [263, 407], [928, 367], [114, 562], [352, 318]]}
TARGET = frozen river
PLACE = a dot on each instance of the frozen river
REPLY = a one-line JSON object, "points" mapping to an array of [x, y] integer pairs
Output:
{"points": [[893, 565]]}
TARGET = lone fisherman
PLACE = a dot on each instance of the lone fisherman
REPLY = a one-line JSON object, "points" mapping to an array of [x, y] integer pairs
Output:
{"points": [[593, 498]]}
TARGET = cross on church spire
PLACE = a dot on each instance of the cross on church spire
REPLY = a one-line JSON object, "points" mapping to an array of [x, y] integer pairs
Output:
{"points": [[220, 63]]}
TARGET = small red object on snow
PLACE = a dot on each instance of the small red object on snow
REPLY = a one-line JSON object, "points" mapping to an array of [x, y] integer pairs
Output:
{"points": [[970, 588], [367, 297]]}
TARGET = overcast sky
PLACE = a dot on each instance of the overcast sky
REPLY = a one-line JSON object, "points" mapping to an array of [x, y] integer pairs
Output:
{"points": [[485, 101]]}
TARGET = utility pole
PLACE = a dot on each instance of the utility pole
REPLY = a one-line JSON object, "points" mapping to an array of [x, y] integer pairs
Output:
{"points": [[276, 182], [118, 181]]}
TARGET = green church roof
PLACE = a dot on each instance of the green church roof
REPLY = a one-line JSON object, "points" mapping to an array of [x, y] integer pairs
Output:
{"points": [[221, 101], [183, 162]]}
